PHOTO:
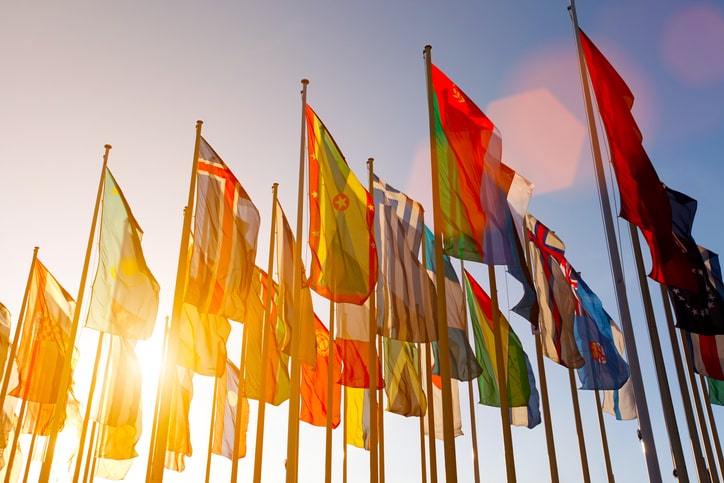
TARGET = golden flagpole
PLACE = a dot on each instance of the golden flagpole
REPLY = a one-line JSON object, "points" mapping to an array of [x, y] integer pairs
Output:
{"points": [[266, 337], [18, 330], [712, 423], [157, 452], [29, 458], [374, 440], [604, 438], [214, 414], [90, 460], [471, 398], [65, 372], [423, 462], [159, 388], [293, 421], [586, 474], [89, 404], [430, 402], [16, 440], [330, 398], [381, 414], [443, 343], [547, 423], [648, 443]]}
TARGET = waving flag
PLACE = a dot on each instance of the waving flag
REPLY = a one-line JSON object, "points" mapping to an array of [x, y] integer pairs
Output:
{"points": [[313, 389], [227, 398], [341, 214]]}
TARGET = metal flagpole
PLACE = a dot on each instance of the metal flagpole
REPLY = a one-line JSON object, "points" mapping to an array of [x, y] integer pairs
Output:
{"points": [[685, 398], [443, 343], [66, 369], [547, 423], [374, 434], [90, 460], [214, 413], [381, 414], [16, 439], [714, 432], [330, 397], [430, 401], [604, 438], [579, 427], [423, 462], [647, 434], [266, 337], [293, 421], [29, 459], [159, 387], [157, 452], [471, 401]]}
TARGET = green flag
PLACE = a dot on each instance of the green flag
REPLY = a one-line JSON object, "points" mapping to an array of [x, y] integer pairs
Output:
{"points": [[124, 301]]}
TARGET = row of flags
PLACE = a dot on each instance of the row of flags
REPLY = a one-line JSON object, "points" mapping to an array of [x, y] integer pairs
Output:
{"points": [[366, 261]]}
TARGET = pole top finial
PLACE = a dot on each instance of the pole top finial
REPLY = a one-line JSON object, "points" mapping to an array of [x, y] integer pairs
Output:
{"points": [[199, 123], [275, 186], [305, 81], [107, 146], [427, 48]]}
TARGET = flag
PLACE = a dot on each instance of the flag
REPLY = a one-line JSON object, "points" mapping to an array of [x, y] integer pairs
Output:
{"points": [[124, 300], [120, 418], [516, 372], [313, 390], [643, 199], [4, 335], [528, 416], [225, 406], [45, 333], [201, 341], [294, 310], [277, 369], [557, 301], [620, 402], [358, 417], [716, 391], [604, 367], [223, 247], [178, 444], [463, 363], [406, 294], [477, 223], [702, 310], [341, 214], [404, 387], [434, 398], [353, 343]]}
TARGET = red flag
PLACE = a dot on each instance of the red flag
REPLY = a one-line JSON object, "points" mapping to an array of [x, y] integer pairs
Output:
{"points": [[313, 390], [643, 199]]}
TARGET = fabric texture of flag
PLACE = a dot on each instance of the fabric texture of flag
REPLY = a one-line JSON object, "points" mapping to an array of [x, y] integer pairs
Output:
{"points": [[357, 426], [120, 417], [434, 398], [298, 315], [223, 248], [404, 386], [277, 370], [477, 223], [178, 444], [643, 200], [352, 340], [45, 338], [405, 293], [716, 391], [528, 416], [620, 402], [515, 372], [557, 301], [463, 363], [4, 334], [702, 310], [341, 217], [313, 390], [225, 405], [124, 300], [604, 367], [201, 341]]}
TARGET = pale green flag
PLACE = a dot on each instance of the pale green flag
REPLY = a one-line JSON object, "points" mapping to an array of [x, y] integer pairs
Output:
{"points": [[124, 301]]}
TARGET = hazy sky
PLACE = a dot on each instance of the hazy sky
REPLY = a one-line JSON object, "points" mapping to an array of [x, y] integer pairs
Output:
{"points": [[137, 75]]}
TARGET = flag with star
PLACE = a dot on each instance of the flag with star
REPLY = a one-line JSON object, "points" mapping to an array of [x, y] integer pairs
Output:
{"points": [[341, 217]]}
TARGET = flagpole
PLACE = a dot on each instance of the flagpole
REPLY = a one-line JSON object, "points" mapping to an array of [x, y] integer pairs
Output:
{"points": [[16, 440], [430, 402], [240, 392], [92, 443], [547, 423], [89, 404], [159, 388], [646, 431], [29, 459], [604, 438], [94, 461], [266, 335], [697, 402], [213, 419], [381, 414], [712, 425], [293, 422], [157, 453], [699, 461], [330, 397], [374, 440], [65, 372], [502, 372], [423, 462], [18, 329], [579, 427], [443, 343], [471, 401]]}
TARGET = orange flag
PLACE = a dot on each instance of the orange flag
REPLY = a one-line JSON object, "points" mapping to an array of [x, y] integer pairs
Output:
{"points": [[313, 389], [341, 217]]}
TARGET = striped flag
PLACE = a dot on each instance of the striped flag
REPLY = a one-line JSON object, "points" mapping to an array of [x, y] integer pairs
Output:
{"points": [[353, 343], [434, 398], [404, 386], [405, 293], [620, 402], [358, 417], [178, 444], [225, 405]]}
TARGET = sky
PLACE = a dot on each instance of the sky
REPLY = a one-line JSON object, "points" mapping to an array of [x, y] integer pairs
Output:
{"points": [[138, 75]]}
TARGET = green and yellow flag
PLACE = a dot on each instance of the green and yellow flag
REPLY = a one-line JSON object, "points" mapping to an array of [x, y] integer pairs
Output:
{"points": [[124, 300], [341, 217]]}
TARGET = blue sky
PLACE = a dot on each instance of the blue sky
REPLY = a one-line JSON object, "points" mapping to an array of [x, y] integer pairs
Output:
{"points": [[137, 75]]}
